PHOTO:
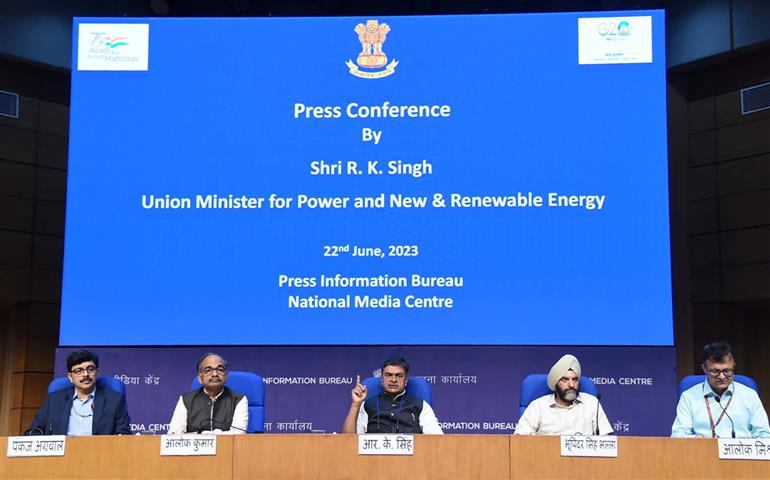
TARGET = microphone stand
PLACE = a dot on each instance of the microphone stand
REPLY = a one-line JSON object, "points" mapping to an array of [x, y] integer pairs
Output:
{"points": [[598, 405], [732, 424]]}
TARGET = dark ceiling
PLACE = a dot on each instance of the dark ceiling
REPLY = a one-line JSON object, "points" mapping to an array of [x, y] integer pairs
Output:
{"points": [[216, 8]]}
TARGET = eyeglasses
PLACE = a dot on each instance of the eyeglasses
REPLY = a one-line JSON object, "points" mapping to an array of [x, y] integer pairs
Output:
{"points": [[715, 372], [210, 371], [393, 375], [80, 371]]}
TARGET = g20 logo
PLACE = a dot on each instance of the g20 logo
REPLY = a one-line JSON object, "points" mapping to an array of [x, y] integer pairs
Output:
{"points": [[612, 29]]}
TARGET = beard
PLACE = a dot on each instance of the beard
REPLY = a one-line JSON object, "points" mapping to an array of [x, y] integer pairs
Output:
{"points": [[567, 394]]}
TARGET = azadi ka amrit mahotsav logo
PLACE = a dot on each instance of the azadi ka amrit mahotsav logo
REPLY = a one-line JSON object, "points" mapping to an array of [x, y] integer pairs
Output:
{"points": [[115, 42]]}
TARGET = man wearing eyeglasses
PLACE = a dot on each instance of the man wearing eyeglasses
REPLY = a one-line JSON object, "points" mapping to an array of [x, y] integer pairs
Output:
{"points": [[720, 407], [392, 411], [86, 408], [213, 408]]}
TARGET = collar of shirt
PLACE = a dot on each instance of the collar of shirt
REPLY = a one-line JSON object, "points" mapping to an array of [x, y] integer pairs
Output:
{"points": [[81, 415], [218, 394], [576, 401], [83, 408], [395, 397], [709, 392], [89, 397]]}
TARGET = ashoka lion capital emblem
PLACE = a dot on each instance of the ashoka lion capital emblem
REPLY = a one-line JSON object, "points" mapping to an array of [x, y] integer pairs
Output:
{"points": [[372, 35]]}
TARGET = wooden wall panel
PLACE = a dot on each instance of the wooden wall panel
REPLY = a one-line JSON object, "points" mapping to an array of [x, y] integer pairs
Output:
{"points": [[49, 218], [705, 284], [17, 179], [16, 213], [29, 113], [703, 216], [727, 109], [14, 283], [54, 118], [33, 160], [701, 148], [743, 139], [704, 250], [745, 174], [730, 273], [746, 245], [49, 251], [700, 115], [52, 151], [17, 144], [15, 248], [746, 283], [702, 182], [744, 210]]}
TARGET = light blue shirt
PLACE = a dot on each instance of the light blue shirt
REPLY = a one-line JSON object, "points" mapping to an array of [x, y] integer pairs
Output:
{"points": [[748, 415], [81, 415]]}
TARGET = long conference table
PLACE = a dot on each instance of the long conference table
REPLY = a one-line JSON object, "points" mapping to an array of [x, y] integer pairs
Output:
{"points": [[336, 457]]}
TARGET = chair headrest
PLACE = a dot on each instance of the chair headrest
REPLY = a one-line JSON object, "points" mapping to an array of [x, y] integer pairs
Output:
{"points": [[112, 383]]}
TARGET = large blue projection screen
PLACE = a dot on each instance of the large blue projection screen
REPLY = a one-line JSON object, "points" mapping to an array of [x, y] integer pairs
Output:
{"points": [[403, 180]]}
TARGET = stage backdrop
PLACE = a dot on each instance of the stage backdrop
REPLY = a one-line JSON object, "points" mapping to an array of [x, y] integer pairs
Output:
{"points": [[475, 388], [499, 174], [328, 185]]}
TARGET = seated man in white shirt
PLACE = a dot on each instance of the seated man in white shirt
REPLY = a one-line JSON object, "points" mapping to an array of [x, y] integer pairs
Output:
{"points": [[213, 408], [567, 411]]}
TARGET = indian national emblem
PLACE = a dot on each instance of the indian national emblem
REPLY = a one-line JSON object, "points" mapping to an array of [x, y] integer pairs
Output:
{"points": [[372, 35]]}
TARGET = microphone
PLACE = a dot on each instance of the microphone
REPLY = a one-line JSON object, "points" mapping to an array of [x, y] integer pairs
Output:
{"points": [[202, 426], [224, 426], [48, 430], [211, 413], [598, 406], [719, 402], [214, 423]]}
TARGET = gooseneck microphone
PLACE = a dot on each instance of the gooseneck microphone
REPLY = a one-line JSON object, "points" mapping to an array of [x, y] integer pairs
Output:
{"points": [[214, 423], [225, 426], [48, 430], [732, 424], [211, 413], [210, 420], [598, 406]]}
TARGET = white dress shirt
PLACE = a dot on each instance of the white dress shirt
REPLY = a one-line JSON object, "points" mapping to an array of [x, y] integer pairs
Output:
{"points": [[546, 417]]}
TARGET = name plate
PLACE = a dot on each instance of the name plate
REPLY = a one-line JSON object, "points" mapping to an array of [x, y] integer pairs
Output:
{"points": [[188, 445], [589, 446], [385, 444], [745, 449], [39, 446]]}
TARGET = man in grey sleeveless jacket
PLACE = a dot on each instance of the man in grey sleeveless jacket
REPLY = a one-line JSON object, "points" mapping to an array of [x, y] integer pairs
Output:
{"points": [[213, 408]]}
